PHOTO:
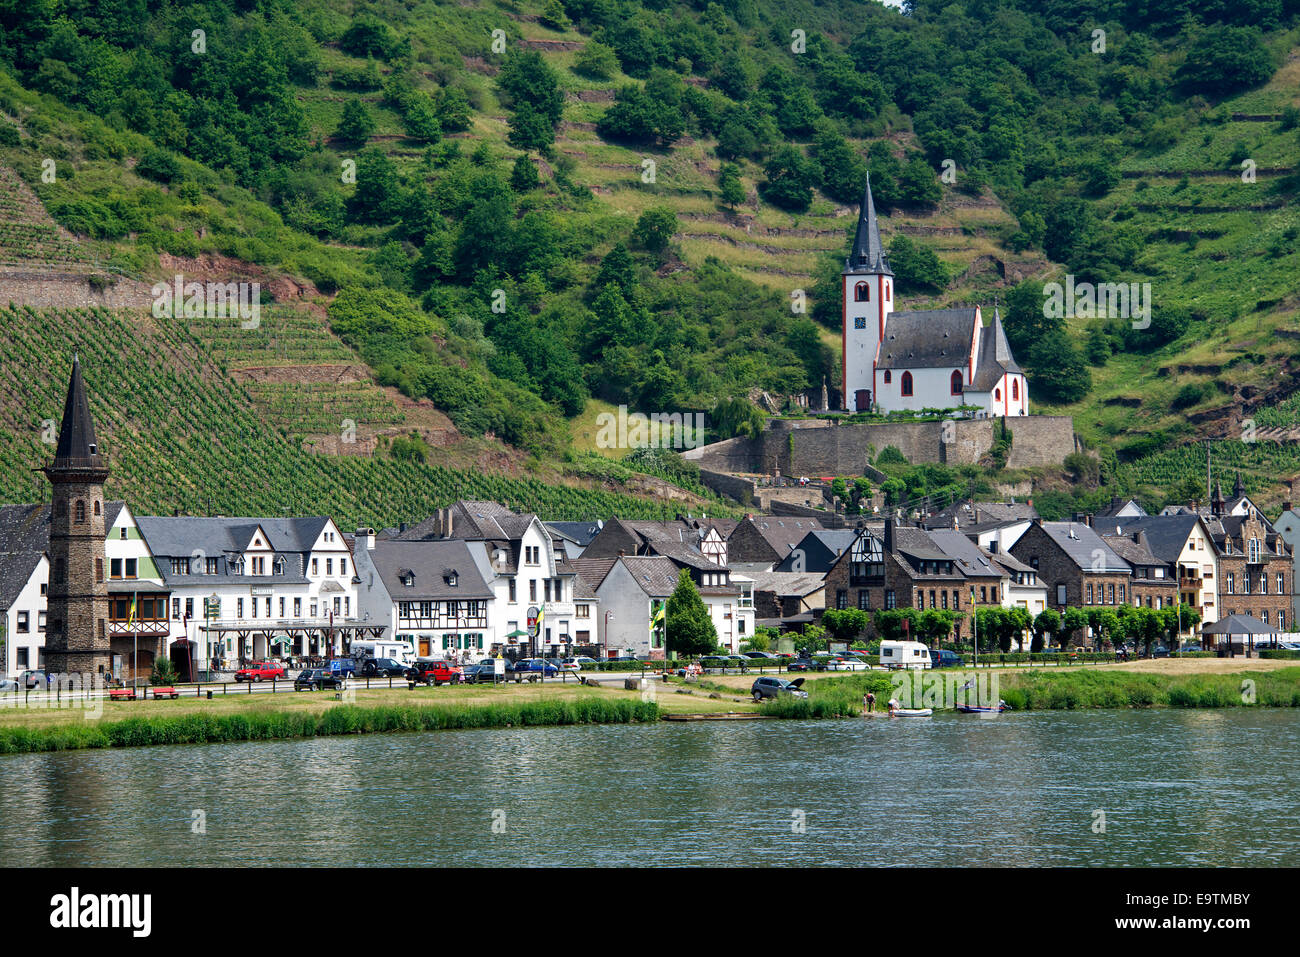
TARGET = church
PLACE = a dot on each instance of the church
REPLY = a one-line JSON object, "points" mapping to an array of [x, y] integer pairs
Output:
{"points": [[908, 361]]}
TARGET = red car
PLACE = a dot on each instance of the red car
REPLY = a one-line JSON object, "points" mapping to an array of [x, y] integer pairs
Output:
{"points": [[432, 671], [261, 671]]}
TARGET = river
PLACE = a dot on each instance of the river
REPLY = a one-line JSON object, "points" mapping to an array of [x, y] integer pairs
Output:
{"points": [[1190, 788]]}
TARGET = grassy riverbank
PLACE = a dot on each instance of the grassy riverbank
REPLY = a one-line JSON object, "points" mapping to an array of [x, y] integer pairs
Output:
{"points": [[262, 723], [1057, 690]]}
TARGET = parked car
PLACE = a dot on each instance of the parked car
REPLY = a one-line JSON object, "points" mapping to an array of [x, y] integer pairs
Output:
{"points": [[382, 668], [581, 661], [767, 687], [8, 684], [484, 671], [532, 669], [33, 679], [944, 659], [431, 671], [839, 663], [343, 667], [261, 671], [765, 655], [320, 679]]}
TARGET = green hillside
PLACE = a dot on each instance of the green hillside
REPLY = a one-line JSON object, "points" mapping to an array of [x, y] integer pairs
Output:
{"points": [[481, 222]]}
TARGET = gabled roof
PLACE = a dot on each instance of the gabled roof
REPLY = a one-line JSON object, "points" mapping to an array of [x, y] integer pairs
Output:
{"points": [[971, 560], [782, 532], [934, 338], [24, 539], [982, 515], [655, 575], [430, 562], [580, 533], [1166, 534], [788, 584], [868, 252], [182, 534], [994, 359], [1082, 545]]}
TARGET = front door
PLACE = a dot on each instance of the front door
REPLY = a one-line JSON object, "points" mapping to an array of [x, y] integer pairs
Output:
{"points": [[424, 647], [862, 400]]}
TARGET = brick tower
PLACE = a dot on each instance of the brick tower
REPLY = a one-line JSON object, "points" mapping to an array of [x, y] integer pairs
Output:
{"points": [[76, 640]]}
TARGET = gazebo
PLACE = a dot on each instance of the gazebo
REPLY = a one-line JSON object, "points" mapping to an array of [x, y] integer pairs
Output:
{"points": [[1245, 625]]}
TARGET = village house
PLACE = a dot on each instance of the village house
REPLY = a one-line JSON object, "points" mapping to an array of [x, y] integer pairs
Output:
{"points": [[761, 542], [1184, 544], [1077, 567]]}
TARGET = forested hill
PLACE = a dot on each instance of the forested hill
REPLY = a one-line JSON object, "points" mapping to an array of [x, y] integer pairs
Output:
{"points": [[528, 210]]}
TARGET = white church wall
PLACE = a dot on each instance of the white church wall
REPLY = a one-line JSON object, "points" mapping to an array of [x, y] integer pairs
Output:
{"points": [[931, 389]]}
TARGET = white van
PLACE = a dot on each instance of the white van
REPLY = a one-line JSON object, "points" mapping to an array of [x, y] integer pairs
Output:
{"points": [[398, 650], [904, 654]]}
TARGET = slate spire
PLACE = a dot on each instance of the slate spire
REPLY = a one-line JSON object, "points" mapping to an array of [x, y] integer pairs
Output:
{"points": [[1238, 490], [868, 253], [78, 447]]}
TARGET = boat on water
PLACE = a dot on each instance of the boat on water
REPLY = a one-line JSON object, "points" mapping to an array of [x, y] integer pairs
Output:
{"points": [[982, 709], [911, 712]]}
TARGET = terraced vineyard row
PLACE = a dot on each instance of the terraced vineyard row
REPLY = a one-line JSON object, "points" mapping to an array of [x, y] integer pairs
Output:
{"points": [[1262, 465], [26, 233], [322, 408], [179, 435], [282, 336]]}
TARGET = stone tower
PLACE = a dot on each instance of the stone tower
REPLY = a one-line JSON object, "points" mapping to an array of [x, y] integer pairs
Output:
{"points": [[76, 640]]}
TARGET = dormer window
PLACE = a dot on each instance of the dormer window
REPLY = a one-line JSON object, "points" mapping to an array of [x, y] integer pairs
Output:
{"points": [[407, 578], [450, 576]]}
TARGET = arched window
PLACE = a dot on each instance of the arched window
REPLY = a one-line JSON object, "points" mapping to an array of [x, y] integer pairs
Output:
{"points": [[97, 506], [997, 395], [80, 512], [1015, 390], [956, 382], [907, 383], [862, 292], [888, 377], [886, 292]]}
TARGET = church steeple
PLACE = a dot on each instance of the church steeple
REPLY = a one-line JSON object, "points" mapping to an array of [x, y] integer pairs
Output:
{"points": [[868, 253], [1238, 490], [78, 448]]}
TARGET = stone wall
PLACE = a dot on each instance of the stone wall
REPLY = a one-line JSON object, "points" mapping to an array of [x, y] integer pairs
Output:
{"points": [[796, 448], [40, 289]]}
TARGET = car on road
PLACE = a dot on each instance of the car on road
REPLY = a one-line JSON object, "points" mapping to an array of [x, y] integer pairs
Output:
{"points": [[806, 664], [765, 655], [382, 668], [484, 671], [531, 669], [261, 671], [769, 687], [319, 679], [581, 661], [33, 679], [431, 671], [344, 667], [944, 659], [844, 663], [8, 684]]}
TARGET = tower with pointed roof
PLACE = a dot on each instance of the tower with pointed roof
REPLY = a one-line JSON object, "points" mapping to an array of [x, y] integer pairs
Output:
{"points": [[868, 301], [932, 359], [76, 639]]}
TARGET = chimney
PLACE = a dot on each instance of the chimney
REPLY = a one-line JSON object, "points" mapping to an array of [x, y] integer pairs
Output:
{"points": [[1286, 506], [889, 535], [366, 536], [1038, 520]]}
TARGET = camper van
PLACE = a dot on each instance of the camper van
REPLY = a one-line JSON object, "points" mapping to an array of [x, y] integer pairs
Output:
{"points": [[904, 654], [400, 650]]}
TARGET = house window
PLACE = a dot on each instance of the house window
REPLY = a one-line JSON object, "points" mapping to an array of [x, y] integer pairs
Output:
{"points": [[1111, 592], [864, 599], [956, 382], [97, 510], [1121, 594], [315, 566], [862, 292], [189, 608], [329, 566], [891, 600], [81, 512], [1231, 584], [1089, 594], [532, 591], [997, 395], [1281, 621], [907, 383], [40, 622], [297, 608], [582, 611], [511, 589], [24, 622], [841, 598], [99, 569], [343, 566], [1281, 584], [176, 608]]}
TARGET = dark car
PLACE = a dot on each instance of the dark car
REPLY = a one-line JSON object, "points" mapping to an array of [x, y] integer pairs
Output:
{"points": [[320, 679], [766, 687], [766, 655], [382, 668], [33, 679], [531, 669], [801, 664], [484, 671], [944, 659], [342, 667]]}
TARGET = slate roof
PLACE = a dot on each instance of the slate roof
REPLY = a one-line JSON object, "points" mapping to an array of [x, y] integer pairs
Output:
{"points": [[656, 575], [1137, 554], [24, 538], [995, 359], [982, 515], [970, 558], [1082, 545], [933, 338], [1166, 534], [430, 561], [580, 533], [783, 533], [77, 448], [868, 252], [182, 536], [788, 584]]}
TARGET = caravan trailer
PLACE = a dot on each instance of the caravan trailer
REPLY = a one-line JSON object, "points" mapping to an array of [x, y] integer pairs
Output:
{"points": [[904, 654], [399, 650]]}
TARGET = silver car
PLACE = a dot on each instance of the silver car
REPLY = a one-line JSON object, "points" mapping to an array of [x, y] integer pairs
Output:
{"points": [[767, 687]]}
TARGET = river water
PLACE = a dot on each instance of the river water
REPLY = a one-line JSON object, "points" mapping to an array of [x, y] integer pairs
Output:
{"points": [[1192, 788]]}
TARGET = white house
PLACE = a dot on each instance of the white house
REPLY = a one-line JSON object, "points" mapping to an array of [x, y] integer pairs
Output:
{"points": [[24, 573], [251, 588], [935, 359]]}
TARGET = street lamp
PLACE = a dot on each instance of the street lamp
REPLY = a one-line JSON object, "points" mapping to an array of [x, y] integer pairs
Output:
{"points": [[604, 645]]}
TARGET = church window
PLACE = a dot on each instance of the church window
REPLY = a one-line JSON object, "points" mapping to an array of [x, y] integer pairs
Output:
{"points": [[956, 382], [862, 292], [860, 322], [97, 507], [907, 383], [1015, 390], [886, 292], [888, 377], [997, 395], [81, 512]]}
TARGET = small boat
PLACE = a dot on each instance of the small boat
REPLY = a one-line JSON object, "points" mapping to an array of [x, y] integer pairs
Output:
{"points": [[982, 709], [911, 712]]}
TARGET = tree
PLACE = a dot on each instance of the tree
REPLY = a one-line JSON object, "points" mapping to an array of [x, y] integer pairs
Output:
{"points": [[845, 624], [1224, 60], [791, 177], [1058, 371], [732, 417], [523, 176], [1046, 625], [596, 61], [655, 228], [689, 627], [356, 126], [915, 265], [1074, 620], [530, 130], [889, 623], [730, 189]]}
